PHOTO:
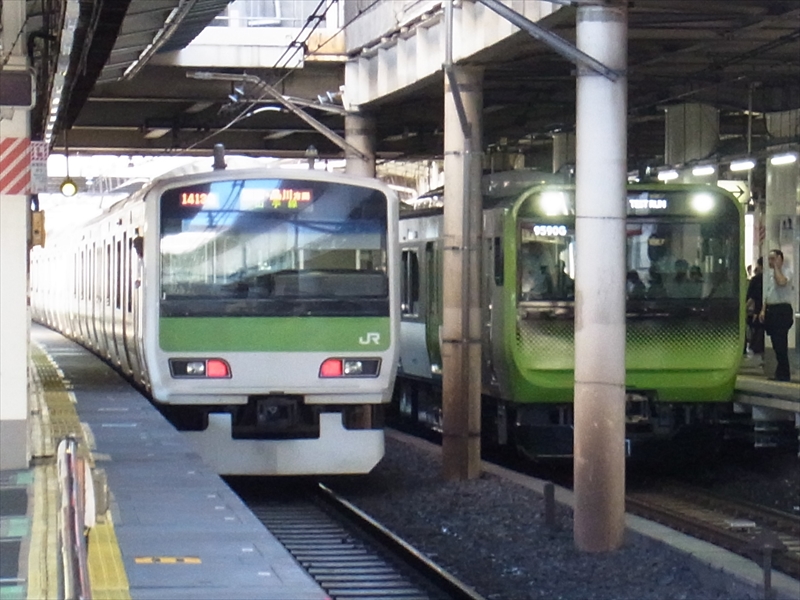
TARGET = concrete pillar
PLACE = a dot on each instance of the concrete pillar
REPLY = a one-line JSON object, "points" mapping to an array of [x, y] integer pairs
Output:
{"points": [[601, 207], [563, 150], [359, 132], [782, 223], [461, 333], [14, 319], [692, 133]]}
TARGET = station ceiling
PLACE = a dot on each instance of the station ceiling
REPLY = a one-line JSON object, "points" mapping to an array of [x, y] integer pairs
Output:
{"points": [[737, 55]]}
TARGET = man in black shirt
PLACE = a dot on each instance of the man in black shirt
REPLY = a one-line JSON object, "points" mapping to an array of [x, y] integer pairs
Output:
{"points": [[755, 295]]}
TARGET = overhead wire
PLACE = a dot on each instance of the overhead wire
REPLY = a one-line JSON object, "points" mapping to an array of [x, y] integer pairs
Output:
{"points": [[246, 112]]}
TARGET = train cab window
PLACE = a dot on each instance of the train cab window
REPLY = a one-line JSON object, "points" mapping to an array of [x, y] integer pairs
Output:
{"points": [[274, 247], [409, 284], [546, 264]]}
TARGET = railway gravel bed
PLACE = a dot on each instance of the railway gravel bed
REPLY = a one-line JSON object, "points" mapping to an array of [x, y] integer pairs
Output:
{"points": [[491, 534]]}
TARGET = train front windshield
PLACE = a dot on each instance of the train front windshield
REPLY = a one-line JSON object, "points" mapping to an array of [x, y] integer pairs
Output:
{"points": [[274, 247], [682, 248]]}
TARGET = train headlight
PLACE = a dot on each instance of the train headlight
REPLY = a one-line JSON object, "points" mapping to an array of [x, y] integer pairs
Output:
{"points": [[350, 367], [554, 203], [196, 368], [703, 203], [211, 368], [353, 367]]}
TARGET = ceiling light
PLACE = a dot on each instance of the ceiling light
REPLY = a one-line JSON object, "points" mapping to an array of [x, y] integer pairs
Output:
{"points": [[783, 159], [68, 187], [667, 175], [743, 165], [703, 170]]}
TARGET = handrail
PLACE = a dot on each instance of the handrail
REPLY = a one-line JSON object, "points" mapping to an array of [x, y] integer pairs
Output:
{"points": [[73, 542]]}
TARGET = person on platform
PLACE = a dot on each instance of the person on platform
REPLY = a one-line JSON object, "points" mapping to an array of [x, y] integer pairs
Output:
{"points": [[755, 301], [776, 313]]}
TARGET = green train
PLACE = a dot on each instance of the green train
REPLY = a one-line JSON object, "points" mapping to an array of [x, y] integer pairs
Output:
{"points": [[685, 314], [257, 307]]}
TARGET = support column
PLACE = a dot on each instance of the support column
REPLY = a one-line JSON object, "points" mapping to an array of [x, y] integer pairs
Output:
{"points": [[783, 233], [599, 463], [14, 319], [359, 132], [461, 333]]}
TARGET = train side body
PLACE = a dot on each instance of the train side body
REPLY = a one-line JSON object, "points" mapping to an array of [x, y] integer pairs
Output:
{"points": [[684, 338], [257, 308]]}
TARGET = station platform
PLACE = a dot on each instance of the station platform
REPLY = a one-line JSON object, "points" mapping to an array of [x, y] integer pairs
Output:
{"points": [[166, 527]]}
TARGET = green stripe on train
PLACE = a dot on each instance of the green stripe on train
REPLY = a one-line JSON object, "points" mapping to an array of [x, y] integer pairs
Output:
{"points": [[274, 334]]}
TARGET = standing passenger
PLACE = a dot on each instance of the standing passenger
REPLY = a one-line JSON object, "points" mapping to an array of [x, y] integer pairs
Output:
{"points": [[777, 314], [755, 295]]}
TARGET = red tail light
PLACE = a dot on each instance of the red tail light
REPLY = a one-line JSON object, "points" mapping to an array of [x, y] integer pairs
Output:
{"points": [[217, 368], [331, 368]]}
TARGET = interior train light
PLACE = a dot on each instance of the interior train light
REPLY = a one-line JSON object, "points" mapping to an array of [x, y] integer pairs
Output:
{"points": [[667, 175], [703, 203], [783, 159], [743, 165]]}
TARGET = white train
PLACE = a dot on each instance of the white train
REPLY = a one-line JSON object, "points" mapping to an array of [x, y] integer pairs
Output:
{"points": [[258, 308]]}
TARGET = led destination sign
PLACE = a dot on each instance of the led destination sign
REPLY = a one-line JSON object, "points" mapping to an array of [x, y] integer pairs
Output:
{"points": [[249, 198], [208, 199], [648, 203]]}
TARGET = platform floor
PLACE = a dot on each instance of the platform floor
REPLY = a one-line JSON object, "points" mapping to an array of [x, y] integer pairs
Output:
{"points": [[168, 527]]}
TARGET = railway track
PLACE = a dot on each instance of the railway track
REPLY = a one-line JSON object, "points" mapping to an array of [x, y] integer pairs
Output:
{"points": [[747, 529], [348, 553]]}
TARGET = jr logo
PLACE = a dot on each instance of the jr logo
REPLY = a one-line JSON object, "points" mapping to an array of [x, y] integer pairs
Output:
{"points": [[372, 337]]}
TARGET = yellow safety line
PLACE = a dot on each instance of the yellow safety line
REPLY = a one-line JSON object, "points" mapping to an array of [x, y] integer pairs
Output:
{"points": [[107, 576], [43, 555]]}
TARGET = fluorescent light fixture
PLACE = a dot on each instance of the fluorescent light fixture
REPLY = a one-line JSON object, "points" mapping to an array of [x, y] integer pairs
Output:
{"points": [[152, 133], [783, 159], [667, 175], [743, 165], [703, 170]]}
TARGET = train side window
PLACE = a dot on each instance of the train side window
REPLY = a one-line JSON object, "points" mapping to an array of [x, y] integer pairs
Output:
{"points": [[108, 275], [118, 272], [499, 261], [129, 268], [83, 274], [409, 283], [433, 280]]}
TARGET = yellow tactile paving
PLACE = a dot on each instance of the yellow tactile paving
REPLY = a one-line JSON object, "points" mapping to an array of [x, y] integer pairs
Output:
{"points": [[43, 557], [106, 570], [59, 419]]}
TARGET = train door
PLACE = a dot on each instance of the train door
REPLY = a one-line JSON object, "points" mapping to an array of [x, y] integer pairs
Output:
{"points": [[119, 302], [131, 276], [91, 296], [137, 316], [413, 347]]}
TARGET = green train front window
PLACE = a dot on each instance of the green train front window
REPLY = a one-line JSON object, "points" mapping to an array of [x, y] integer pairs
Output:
{"points": [[682, 247], [273, 247], [546, 260]]}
